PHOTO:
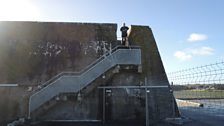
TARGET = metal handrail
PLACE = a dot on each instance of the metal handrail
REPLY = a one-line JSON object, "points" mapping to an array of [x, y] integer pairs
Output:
{"points": [[87, 67], [83, 72]]}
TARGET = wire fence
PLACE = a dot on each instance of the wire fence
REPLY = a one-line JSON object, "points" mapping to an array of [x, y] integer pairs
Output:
{"points": [[200, 88]]}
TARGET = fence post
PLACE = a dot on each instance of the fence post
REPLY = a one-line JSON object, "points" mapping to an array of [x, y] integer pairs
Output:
{"points": [[146, 105], [104, 105]]}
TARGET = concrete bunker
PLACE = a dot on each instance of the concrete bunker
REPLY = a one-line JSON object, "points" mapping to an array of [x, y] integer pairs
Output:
{"points": [[79, 71]]}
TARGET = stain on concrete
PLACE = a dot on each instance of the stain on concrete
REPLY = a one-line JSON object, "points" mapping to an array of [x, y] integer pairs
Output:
{"points": [[33, 52]]}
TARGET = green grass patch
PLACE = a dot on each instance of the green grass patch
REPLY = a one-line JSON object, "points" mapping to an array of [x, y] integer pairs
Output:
{"points": [[199, 94]]}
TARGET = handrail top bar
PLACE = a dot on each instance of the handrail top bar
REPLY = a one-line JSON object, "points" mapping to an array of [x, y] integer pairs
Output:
{"points": [[136, 87]]}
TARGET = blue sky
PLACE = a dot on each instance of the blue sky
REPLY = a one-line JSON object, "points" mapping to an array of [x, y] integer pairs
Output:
{"points": [[188, 32]]}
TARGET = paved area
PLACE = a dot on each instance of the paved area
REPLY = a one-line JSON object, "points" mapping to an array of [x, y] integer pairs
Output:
{"points": [[192, 116], [201, 117]]}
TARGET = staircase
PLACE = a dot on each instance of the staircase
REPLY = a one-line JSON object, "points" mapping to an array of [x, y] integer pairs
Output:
{"points": [[72, 82]]}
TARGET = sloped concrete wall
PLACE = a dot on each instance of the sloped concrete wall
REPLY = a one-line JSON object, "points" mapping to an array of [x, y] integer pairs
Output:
{"points": [[152, 64], [161, 101]]}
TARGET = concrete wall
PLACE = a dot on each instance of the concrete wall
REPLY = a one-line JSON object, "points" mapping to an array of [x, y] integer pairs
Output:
{"points": [[161, 101], [33, 52], [13, 103], [126, 104], [152, 64]]}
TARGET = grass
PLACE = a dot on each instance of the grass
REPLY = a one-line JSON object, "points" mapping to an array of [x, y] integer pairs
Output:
{"points": [[199, 94]]}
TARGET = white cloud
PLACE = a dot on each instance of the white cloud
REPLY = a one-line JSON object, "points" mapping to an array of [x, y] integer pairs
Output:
{"points": [[189, 53], [202, 51], [182, 55], [195, 37]]}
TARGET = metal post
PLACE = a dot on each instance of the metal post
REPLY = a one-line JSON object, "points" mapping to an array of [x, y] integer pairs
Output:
{"points": [[104, 105], [146, 104], [173, 102], [29, 110]]}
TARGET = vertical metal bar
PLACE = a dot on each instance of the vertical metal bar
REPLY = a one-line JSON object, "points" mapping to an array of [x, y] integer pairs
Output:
{"points": [[146, 105], [29, 109], [104, 105], [173, 101]]}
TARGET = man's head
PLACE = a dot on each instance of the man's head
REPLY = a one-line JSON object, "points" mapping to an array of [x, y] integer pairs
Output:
{"points": [[123, 24]]}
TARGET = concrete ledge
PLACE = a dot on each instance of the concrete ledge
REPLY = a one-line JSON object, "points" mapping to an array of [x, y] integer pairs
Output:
{"points": [[177, 121], [185, 103], [9, 85], [73, 120]]}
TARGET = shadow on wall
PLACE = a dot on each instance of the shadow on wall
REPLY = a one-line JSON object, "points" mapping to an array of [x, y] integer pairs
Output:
{"points": [[13, 103]]}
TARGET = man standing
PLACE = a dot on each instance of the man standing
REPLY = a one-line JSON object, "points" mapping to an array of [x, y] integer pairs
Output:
{"points": [[124, 34]]}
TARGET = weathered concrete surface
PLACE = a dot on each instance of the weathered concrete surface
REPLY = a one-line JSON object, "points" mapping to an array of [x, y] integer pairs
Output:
{"points": [[152, 64], [161, 102], [13, 103], [124, 104], [33, 52]]}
